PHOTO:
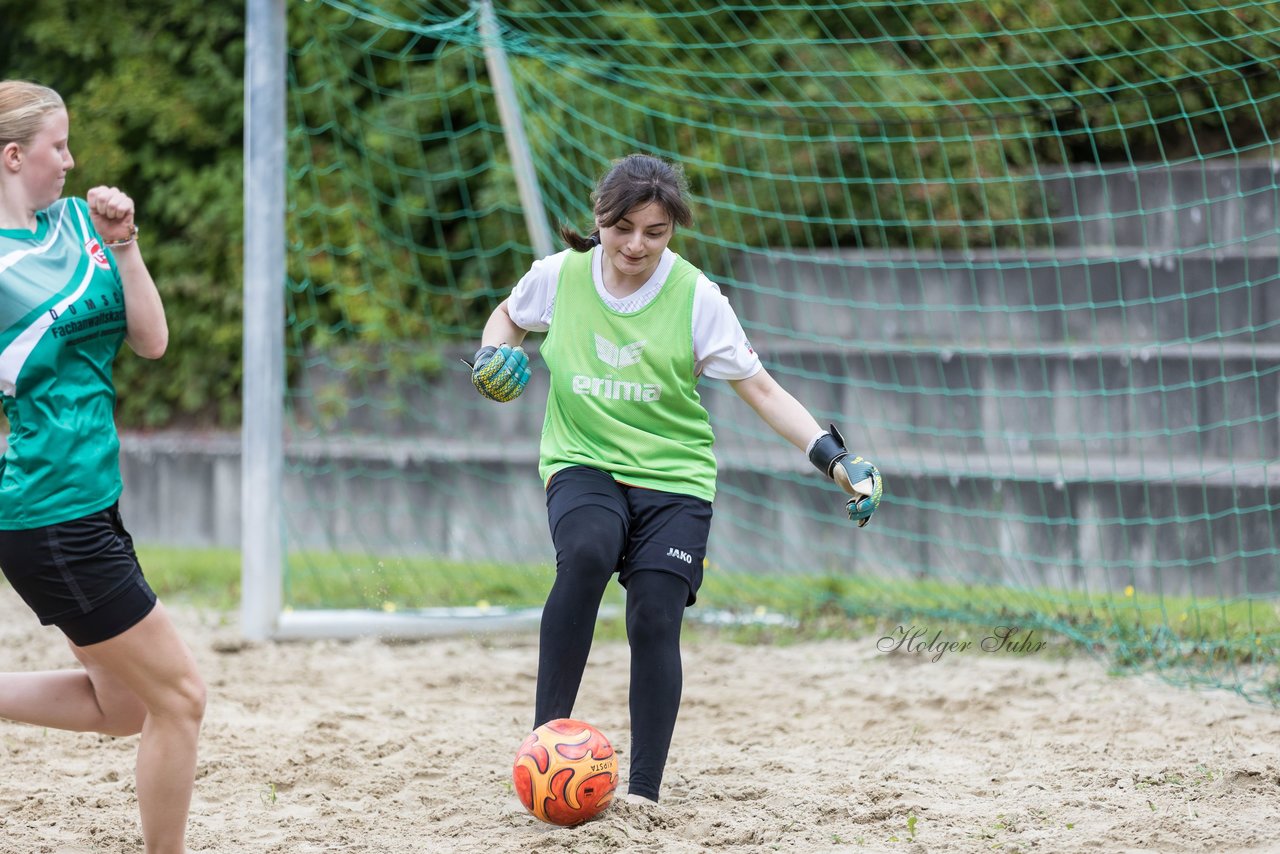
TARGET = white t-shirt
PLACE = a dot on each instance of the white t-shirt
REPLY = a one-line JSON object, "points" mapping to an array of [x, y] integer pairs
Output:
{"points": [[720, 347]]}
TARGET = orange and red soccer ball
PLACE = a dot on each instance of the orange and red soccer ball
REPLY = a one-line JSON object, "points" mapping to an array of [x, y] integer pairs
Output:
{"points": [[565, 772]]}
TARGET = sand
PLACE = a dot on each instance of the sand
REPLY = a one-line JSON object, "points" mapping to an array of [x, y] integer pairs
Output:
{"points": [[366, 746]]}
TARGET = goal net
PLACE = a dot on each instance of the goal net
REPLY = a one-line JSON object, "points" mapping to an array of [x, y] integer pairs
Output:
{"points": [[1025, 256]]}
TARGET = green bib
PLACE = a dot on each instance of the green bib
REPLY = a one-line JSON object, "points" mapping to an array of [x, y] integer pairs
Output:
{"points": [[61, 324], [623, 395]]}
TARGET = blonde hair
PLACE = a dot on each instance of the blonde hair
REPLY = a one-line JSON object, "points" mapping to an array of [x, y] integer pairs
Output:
{"points": [[23, 107]]}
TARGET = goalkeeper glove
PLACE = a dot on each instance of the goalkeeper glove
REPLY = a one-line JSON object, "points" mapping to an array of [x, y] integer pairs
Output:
{"points": [[864, 481], [500, 373]]}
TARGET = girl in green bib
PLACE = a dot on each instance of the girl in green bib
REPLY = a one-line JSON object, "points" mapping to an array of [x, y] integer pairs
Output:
{"points": [[626, 450], [73, 286]]}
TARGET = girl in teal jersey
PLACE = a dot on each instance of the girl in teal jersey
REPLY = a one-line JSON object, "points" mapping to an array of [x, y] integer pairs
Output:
{"points": [[626, 444], [73, 285]]}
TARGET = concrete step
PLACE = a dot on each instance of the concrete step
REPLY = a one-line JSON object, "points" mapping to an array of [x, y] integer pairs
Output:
{"points": [[1226, 201], [1170, 537], [1159, 402], [1204, 526], [1218, 399], [330, 398], [1026, 297], [767, 455]]}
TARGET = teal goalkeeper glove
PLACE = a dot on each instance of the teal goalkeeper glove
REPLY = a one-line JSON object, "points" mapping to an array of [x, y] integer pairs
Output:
{"points": [[500, 373], [865, 482]]}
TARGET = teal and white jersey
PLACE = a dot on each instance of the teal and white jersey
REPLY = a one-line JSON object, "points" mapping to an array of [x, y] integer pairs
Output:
{"points": [[62, 321]]}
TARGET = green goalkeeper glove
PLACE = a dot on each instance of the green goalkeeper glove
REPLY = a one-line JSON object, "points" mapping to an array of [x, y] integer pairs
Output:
{"points": [[855, 475], [500, 373]]}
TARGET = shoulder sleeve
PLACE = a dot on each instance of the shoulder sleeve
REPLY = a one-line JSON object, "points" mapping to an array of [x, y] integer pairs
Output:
{"points": [[534, 296], [77, 211], [721, 350]]}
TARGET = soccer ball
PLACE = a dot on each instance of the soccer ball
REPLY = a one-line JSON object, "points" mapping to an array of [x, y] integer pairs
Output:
{"points": [[565, 772]]}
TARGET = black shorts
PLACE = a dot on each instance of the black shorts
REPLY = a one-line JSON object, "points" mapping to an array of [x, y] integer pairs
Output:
{"points": [[664, 531], [81, 576]]}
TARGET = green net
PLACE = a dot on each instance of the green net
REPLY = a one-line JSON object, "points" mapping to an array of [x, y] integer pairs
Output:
{"points": [[1025, 255]]}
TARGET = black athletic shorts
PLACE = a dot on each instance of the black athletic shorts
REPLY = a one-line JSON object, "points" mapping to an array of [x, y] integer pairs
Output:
{"points": [[81, 576], [664, 531]]}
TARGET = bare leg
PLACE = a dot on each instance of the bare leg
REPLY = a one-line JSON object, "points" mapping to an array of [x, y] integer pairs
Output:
{"points": [[89, 700], [143, 680], [152, 661]]}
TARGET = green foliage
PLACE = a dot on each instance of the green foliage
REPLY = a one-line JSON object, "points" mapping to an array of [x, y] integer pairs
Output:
{"points": [[913, 125], [155, 97]]}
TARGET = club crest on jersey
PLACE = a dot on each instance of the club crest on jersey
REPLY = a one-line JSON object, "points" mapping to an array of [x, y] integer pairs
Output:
{"points": [[97, 253]]}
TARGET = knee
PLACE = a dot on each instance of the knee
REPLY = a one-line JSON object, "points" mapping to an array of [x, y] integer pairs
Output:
{"points": [[589, 541], [194, 699], [649, 626], [183, 701], [654, 619], [586, 556]]}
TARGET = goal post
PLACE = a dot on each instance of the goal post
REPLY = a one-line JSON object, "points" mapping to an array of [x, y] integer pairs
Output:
{"points": [[262, 430]]}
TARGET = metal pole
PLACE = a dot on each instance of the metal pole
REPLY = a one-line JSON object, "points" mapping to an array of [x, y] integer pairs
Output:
{"points": [[262, 444], [535, 215]]}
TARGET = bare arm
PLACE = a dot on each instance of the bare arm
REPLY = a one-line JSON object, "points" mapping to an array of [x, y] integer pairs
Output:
{"points": [[148, 330], [500, 329], [777, 408], [785, 415]]}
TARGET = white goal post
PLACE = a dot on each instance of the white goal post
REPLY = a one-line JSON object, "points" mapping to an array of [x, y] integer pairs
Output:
{"points": [[262, 425]]}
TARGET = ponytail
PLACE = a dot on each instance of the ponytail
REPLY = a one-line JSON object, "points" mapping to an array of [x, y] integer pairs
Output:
{"points": [[576, 241]]}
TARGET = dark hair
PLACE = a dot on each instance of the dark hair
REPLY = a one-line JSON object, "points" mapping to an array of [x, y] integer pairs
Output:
{"points": [[633, 181]]}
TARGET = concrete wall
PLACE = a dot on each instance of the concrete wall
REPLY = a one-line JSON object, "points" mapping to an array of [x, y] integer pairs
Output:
{"points": [[1093, 527]]}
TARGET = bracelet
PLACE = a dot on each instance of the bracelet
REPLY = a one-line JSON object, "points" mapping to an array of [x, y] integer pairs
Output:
{"points": [[132, 238]]}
